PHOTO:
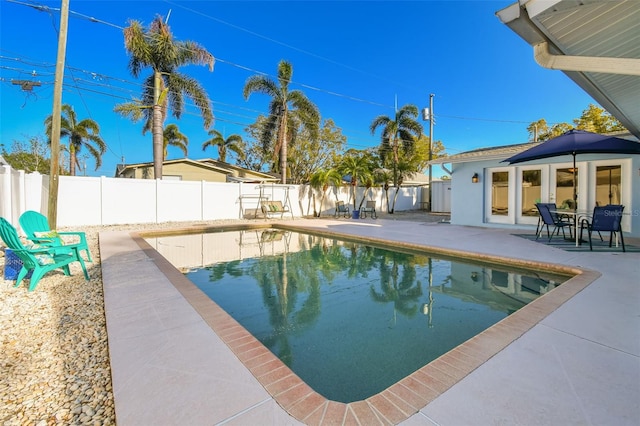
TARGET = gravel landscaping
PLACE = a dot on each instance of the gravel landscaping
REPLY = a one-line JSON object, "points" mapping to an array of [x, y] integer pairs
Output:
{"points": [[54, 355]]}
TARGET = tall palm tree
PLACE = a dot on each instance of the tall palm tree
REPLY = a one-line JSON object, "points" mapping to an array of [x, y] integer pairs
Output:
{"points": [[233, 143], [154, 47], [397, 132], [285, 105], [322, 179], [358, 167], [84, 133], [172, 136]]}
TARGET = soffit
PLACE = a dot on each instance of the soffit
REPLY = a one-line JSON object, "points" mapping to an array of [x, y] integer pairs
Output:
{"points": [[588, 28]]}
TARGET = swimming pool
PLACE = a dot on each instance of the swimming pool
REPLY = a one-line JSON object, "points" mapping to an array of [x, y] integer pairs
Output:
{"points": [[350, 319]]}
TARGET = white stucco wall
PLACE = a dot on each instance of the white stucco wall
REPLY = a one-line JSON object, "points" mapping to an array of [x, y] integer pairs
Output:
{"points": [[469, 200]]}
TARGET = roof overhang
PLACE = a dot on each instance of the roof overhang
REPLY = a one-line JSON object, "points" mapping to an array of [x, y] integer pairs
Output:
{"points": [[595, 43]]}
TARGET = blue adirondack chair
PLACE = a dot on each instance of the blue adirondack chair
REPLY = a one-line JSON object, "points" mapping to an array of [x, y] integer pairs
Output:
{"points": [[39, 259], [36, 226]]}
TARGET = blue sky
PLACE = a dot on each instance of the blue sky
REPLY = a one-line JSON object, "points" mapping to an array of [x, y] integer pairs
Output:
{"points": [[353, 59]]}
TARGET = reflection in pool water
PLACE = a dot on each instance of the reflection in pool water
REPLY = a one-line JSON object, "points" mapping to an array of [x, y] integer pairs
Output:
{"points": [[352, 319]]}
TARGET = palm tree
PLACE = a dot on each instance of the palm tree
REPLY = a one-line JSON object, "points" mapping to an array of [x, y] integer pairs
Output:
{"points": [[155, 48], [358, 167], [233, 143], [395, 133], [84, 133], [404, 170], [323, 179], [383, 177], [285, 105], [172, 136]]}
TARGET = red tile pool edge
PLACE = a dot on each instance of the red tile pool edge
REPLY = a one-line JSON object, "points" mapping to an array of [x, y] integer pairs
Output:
{"points": [[396, 403]]}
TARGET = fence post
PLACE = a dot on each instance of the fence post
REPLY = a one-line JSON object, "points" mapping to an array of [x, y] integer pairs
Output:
{"points": [[7, 196]]}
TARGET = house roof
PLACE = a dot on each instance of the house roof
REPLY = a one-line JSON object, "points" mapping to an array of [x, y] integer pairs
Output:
{"points": [[3, 161], [208, 163], [505, 151], [482, 154], [121, 168], [595, 43]]}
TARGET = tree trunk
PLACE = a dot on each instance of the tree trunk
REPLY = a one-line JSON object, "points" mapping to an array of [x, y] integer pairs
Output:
{"points": [[156, 129], [395, 162], [283, 148], [72, 159], [395, 197]]}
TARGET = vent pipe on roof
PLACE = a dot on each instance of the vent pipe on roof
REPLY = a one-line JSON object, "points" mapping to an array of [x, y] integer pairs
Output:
{"points": [[542, 55]]}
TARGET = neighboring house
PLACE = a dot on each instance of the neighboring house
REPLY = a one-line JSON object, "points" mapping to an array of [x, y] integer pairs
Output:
{"points": [[488, 192], [3, 162], [195, 170]]}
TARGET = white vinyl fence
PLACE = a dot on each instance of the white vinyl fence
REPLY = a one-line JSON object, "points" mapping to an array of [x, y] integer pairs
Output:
{"points": [[112, 201]]}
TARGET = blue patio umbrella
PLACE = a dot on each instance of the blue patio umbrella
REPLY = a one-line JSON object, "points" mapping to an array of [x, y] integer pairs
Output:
{"points": [[576, 142]]}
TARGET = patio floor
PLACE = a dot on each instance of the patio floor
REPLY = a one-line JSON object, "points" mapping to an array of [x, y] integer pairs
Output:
{"points": [[571, 357]]}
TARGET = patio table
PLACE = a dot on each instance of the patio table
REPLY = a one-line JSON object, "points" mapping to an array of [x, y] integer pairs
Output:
{"points": [[575, 216]]}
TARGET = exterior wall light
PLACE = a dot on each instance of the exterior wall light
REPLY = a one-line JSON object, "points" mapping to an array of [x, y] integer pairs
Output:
{"points": [[475, 178]]}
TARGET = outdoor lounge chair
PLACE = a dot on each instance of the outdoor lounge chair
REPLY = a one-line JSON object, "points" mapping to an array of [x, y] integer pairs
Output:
{"points": [[369, 208], [607, 219], [341, 209], [36, 226], [552, 218], [39, 259]]}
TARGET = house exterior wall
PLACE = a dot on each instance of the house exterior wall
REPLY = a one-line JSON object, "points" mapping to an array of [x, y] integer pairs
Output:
{"points": [[471, 202], [193, 173], [184, 171]]}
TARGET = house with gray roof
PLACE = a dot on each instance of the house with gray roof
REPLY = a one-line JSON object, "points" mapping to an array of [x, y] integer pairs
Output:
{"points": [[486, 191]]}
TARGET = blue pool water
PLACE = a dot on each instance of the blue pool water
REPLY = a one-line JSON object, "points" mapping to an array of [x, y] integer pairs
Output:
{"points": [[352, 319]]}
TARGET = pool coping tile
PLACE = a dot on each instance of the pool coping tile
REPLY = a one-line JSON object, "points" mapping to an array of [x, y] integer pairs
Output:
{"points": [[401, 400]]}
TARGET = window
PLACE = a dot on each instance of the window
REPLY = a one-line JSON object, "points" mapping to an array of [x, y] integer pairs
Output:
{"points": [[500, 193], [564, 187], [531, 191], [608, 179]]}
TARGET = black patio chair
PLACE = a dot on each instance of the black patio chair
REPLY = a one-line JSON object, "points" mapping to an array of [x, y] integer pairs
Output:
{"points": [[341, 209], [605, 219], [550, 217]]}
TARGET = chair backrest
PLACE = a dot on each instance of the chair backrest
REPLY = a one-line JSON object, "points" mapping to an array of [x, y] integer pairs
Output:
{"points": [[371, 205], [32, 221], [9, 235], [607, 218], [545, 213], [341, 206]]}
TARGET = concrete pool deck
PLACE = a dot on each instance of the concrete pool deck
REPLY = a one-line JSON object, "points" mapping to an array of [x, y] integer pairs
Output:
{"points": [[571, 357]]}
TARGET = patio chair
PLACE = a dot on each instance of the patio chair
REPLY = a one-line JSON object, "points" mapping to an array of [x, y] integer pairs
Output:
{"points": [[341, 209], [36, 226], [550, 218], [39, 259], [606, 219], [552, 206], [369, 208]]}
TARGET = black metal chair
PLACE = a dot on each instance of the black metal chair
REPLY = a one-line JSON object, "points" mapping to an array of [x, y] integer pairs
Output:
{"points": [[370, 208], [606, 219], [550, 217], [341, 209]]}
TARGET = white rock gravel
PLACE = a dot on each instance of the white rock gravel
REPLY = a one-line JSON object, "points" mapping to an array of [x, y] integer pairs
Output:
{"points": [[54, 358]]}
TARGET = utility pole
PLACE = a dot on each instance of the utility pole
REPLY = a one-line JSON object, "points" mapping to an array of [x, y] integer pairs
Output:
{"points": [[430, 148], [52, 211], [427, 114]]}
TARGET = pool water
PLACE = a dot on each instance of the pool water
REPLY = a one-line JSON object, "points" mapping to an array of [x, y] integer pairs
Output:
{"points": [[352, 319]]}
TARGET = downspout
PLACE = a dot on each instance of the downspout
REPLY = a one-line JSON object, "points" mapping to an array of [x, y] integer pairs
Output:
{"points": [[544, 58]]}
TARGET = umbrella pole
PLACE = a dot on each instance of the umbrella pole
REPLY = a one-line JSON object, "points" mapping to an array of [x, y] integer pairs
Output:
{"points": [[575, 192]]}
